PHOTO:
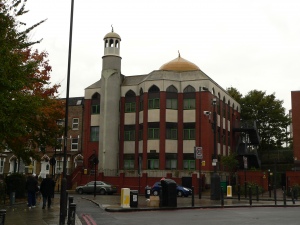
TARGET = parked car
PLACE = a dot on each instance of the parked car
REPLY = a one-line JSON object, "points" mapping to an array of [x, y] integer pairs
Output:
{"points": [[102, 188], [181, 191]]}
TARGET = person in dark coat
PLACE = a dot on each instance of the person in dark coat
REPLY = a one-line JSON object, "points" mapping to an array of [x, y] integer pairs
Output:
{"points": [[47, 190], [32, 188]]}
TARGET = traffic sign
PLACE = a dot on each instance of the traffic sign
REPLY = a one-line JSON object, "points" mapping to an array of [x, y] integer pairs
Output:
{"points": [[198, 153]]}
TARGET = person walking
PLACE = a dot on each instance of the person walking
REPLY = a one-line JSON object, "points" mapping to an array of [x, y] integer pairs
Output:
{"points": [[47, 190], [32, 188]]}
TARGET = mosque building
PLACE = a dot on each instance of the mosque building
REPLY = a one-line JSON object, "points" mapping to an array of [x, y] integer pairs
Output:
{"points": [[152, 123]]}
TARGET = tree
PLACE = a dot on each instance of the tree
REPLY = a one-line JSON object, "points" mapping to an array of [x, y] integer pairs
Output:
{"points": [[29, 105], [269, 114], [230, 163]]}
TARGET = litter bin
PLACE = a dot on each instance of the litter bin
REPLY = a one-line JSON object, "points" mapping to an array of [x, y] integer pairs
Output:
{"points": [[12, 197], [134, 198], [147, 192]]}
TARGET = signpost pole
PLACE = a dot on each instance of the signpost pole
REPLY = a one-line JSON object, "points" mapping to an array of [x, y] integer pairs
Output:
{"points": [[199, 155]]}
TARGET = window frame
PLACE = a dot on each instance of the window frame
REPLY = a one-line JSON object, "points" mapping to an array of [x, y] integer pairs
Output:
{"points": [[94, 134], [74, 143], [189, 130], [189, 103], [151, 130], [75, 125], [153, 103], [130, 107], [153, 164]]}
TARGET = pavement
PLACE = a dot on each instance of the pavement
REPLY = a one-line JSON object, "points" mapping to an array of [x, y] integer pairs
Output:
{"points": [[19, 214]]}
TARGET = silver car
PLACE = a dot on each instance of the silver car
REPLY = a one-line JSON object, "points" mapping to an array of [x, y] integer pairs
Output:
{"points": [[102, 188]]}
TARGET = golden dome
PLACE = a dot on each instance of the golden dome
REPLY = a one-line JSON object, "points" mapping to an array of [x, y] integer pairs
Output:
{"points": [[179, 64]]}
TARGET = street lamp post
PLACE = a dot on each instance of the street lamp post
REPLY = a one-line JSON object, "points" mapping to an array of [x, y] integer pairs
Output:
{"points": [[215, 178], [95, 161], [63, 191]]}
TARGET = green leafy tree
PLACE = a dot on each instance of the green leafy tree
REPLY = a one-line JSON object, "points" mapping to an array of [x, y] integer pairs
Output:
{"points": [[269, 114], [230, 164], [29, 105]]}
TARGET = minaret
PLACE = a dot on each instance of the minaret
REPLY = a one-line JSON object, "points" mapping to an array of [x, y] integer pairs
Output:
{"points": [[111, 80]]}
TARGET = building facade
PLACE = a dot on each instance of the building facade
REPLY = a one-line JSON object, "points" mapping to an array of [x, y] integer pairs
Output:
{"points": [[9, 163], [151, 123]]}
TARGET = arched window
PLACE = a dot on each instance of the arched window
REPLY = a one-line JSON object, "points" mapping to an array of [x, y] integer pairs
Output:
{"points": [[111, 43], [95, 104], [130, 105], [172, 96], [189, 98], [153, 97], [117, 44]]}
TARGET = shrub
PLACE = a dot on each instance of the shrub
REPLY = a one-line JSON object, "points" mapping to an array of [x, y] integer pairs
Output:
{"points": [[253, 188]]}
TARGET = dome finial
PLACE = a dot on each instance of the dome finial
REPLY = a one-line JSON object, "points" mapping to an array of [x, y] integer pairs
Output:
{"points": [[178, 54], [112, 28]]}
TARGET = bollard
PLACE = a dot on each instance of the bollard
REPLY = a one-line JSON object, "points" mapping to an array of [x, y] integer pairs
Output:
{"points": [[275, 197], [222, 197], [257, 194], [250, 196], [193, 201], [71, 200], [239, 192], [2, 216], [284, 196], [72, 214], [292, 193], [12, 198]]}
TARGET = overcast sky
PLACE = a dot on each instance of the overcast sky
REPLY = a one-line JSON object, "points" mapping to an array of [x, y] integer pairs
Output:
{"points": [[238, 43]]}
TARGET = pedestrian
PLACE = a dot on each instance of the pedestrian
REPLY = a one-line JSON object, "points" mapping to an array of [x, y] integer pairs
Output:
{"points": [[47, 190], [32, 188]]}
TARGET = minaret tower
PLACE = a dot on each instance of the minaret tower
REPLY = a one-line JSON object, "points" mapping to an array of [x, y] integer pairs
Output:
{"points": [[111, 80]]}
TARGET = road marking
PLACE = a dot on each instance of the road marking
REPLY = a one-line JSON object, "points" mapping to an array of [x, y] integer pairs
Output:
{"points": [[88, 219]]}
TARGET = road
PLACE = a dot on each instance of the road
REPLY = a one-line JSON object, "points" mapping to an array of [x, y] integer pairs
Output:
{"points": [[91, 214]]}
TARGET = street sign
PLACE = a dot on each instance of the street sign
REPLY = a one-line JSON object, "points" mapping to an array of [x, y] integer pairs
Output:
{"points": [[198, 152]]}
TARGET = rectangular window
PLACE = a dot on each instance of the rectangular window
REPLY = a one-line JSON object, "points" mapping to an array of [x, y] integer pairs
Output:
{"points": [[130, 107], [59, 166], [171, 134], [59, 144], [95, 109], [94, 134], [189, 164], [153, 133], [153, 103], [74, 144], [128, 164], [129, 135], [153, 164], [171, 104], [75, 124], [171, 164], [189, 134], [189, 103], [1, 166]]}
